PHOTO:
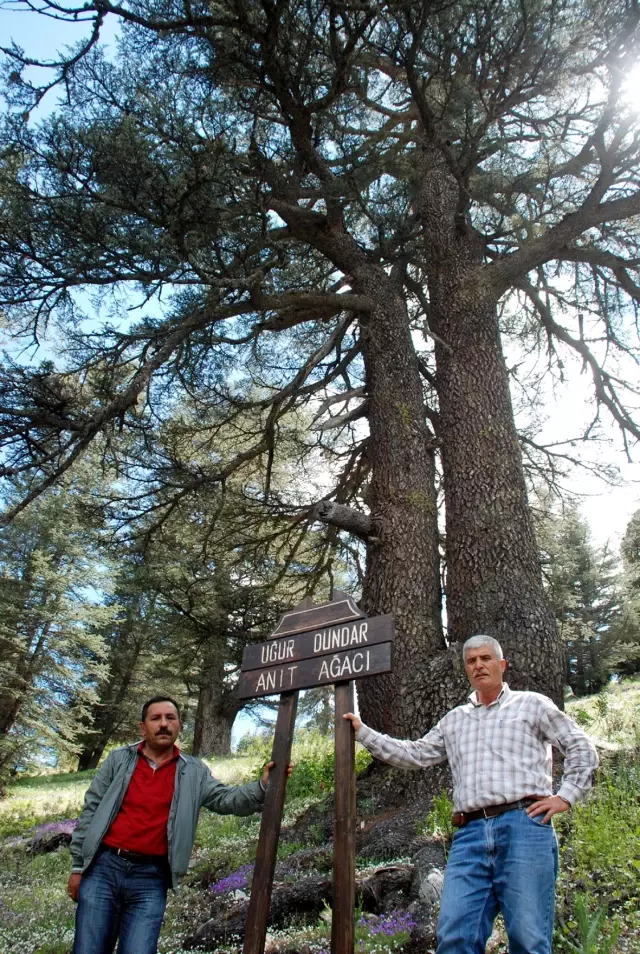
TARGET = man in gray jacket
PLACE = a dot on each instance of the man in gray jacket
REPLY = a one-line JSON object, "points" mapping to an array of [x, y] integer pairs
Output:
{"points": [[136, 831]]}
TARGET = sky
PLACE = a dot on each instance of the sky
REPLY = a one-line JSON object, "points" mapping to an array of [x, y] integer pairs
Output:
{"points": [[608, 509], [42, 37]]}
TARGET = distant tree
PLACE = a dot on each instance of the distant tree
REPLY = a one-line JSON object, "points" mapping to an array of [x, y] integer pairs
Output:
{"points": [[220, 588], [52, 572], [328, 206], [193, 586], [583, 585], [624, 656], [630, 550], [208, 618], [128, 640], [316, 709]]}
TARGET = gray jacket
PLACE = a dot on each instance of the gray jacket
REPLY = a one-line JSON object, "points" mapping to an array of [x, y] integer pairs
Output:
{"points": [[195, 787]]}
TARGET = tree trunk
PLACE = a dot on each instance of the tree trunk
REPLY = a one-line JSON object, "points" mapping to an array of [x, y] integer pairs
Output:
{"points": [[90, 756], [216, 709], [494, 582], [403, 570], [325, 717], [23, 681]]}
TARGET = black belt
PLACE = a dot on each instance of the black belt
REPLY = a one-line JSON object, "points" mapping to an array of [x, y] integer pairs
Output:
{"points": [[135, 856], [458, 819]]}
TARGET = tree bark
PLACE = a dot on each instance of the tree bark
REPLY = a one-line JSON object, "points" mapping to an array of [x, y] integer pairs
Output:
{"points": [[403, 567], [494, 582], [216, 709], [88, 759]]}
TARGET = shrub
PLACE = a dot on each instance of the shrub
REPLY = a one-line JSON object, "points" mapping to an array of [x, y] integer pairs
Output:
{"points": [[313, 758], [594, 937], [582, 717], [600, 852], [438, 821]]}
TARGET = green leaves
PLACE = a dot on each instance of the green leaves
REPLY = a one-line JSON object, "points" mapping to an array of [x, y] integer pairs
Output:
{"points": [[53, 574], [596, 935]]}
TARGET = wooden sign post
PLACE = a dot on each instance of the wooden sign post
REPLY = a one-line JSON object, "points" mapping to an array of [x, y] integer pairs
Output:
{"points": [[313, 646]]}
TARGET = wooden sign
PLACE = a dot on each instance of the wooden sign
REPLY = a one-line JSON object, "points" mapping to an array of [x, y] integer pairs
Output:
{"points": [[353, 664], [330, 639], [312, 646], [315, 617]]}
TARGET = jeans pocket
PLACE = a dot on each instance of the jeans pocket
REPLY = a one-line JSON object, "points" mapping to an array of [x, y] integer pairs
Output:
{"points": [[537, 820]]}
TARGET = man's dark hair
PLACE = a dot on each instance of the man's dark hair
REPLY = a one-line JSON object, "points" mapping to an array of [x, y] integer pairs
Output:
{"points": [[150, 702]]}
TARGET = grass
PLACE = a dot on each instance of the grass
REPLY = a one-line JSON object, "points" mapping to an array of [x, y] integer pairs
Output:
{"points": [[600, 863], [598, 888], [37, 917], [33, 801], [612, 716]]}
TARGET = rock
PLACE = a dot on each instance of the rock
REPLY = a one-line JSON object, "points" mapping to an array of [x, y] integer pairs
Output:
{"points": [[423, 935], [430, 890], [386, 838], [393, 901], [429, 863], [48, 843], [238, 895]]}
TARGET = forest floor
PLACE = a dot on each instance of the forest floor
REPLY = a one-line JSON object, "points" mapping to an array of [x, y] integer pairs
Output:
{"points": [[598, 909]]}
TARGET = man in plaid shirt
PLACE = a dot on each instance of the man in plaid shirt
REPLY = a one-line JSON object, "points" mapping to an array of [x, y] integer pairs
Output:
{"points": [[504, 855]]}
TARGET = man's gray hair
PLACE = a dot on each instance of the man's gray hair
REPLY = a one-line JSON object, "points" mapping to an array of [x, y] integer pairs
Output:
{"points": [[481, 640]]}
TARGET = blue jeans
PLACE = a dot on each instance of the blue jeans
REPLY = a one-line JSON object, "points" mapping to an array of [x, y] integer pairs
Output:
{"points": [[508, 863], [124, 898]]}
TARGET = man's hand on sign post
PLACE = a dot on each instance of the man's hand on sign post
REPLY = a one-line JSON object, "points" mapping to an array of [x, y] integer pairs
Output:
{"points": [[265, 772], [548, 806], [354, 720]]}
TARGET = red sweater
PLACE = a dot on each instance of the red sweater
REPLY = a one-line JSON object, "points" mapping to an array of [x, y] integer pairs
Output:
{"points": [[141, 823]]}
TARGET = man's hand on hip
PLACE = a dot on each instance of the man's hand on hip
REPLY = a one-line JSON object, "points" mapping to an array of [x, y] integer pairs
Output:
{"points": [[74, 885], [550, 806]]}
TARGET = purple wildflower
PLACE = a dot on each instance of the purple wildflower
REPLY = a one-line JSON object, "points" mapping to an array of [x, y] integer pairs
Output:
{"points": [[64, 827], [388, 924], [236, 881]]}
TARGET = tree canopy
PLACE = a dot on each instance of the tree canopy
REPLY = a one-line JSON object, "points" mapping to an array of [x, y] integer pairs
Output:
{"points": [[330, 213]]}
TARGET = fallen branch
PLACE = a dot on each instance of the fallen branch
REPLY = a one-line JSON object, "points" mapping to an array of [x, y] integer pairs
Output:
{"points": [[304, 896]]}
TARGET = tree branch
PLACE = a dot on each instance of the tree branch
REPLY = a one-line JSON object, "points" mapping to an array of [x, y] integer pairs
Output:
{"points": [[345, 518], [603, 383], [508, 271]]}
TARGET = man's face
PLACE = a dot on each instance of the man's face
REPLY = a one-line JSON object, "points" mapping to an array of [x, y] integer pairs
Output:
{"points": [[161, 725], [484, 669]]}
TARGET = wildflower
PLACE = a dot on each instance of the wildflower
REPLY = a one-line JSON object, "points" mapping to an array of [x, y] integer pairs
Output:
{"points": [[391, 924], [64, 827], [234, 882]]}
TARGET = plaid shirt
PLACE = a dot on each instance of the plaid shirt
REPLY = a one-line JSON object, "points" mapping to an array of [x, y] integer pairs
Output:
{"points": [[498, 753]]}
